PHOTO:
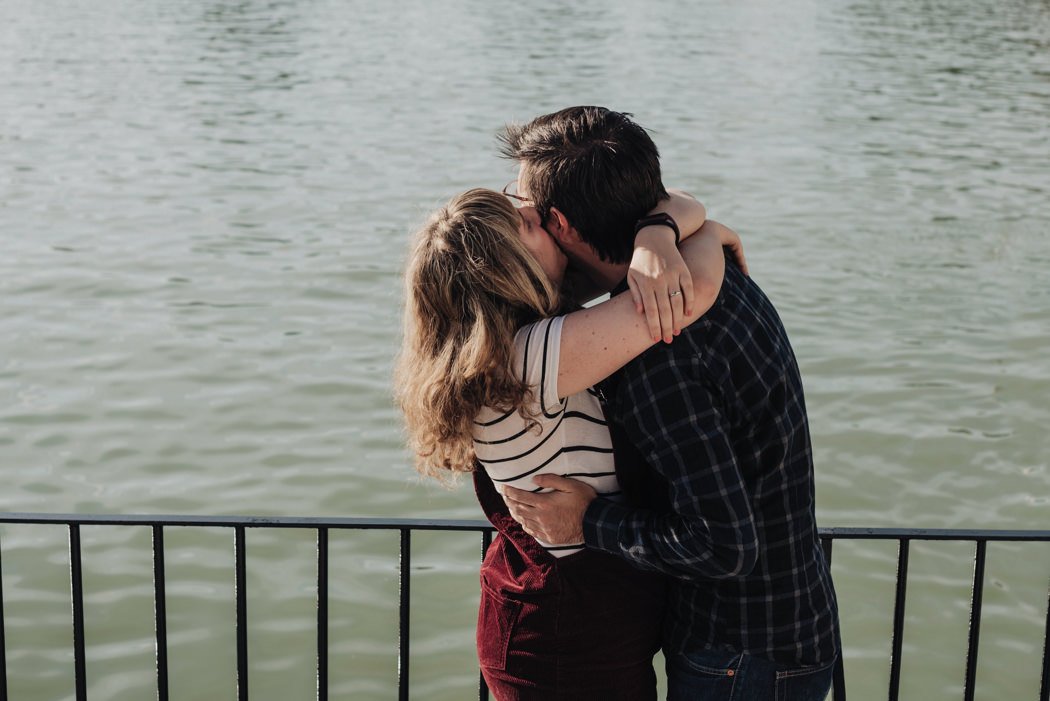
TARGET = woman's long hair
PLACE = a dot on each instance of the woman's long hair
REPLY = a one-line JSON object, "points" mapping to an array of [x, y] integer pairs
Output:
{"points": [[470, 284]]}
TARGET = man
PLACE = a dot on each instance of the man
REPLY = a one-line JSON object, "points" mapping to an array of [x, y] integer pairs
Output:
{"points": [[717, 416]]}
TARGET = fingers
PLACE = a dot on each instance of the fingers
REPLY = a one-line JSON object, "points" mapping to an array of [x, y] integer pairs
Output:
{"points": [[645, 295], [636, 295], [555, 516], [522, 513], [665, 311], [686, 284], [666, 316], [738, 253], [528, 524], [525, 499], [522, 509], [732, 239], [677, 311], [652, 314], [555, 482]]}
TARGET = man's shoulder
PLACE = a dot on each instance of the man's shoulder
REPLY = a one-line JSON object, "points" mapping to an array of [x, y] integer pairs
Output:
{"points": [[726, 331], [736, 288], [741, 305]]}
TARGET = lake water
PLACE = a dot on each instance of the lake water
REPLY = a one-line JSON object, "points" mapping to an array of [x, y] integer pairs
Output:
{"points": [[204, 208]]}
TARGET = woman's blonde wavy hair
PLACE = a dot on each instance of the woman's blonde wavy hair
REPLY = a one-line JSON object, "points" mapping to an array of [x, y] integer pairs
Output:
{"points": [[470, 284]]}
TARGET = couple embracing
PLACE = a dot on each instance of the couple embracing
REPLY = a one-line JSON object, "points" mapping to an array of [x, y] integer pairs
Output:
{"points": [[646, 461]]}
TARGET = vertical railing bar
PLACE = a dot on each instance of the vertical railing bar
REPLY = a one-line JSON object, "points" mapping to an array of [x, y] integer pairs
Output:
{"points": [[404, 587], [3, 644], [160, 612], [322, 614], [76, 581], [975, 620], [240, 583], [1044, 686], [483, 688], [903, 549], [839, 678]]}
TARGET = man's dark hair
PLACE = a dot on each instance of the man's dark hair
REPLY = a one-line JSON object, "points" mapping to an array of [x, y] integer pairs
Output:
{"points": [[597, 166]]}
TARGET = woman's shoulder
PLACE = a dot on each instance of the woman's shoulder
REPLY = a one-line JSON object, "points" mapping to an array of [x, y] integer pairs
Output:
{"points": [[536, 348], [543, 332], [537, 355]]}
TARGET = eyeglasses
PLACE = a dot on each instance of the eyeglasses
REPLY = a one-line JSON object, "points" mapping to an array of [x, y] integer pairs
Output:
{"points": [[511, 191]]}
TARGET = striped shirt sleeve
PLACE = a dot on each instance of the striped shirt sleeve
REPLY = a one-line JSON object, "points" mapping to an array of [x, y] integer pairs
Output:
{"points": [[537, 350]]}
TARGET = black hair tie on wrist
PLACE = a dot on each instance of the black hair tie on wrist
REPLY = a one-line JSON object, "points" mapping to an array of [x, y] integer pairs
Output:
{"points": [[661, 219]]}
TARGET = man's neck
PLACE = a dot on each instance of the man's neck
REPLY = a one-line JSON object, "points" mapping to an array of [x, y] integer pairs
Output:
{"points": [[605, 276], [602, 275]]}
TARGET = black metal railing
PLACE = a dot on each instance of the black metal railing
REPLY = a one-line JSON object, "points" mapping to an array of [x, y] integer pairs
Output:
{"points": [[405, 528]]}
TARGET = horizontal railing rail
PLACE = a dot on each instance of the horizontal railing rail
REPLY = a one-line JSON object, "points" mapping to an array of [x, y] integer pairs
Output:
{"points": [[405, 528]]}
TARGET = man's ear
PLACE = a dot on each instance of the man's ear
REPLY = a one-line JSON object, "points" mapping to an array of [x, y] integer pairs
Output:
{"points": [[559, 227]]}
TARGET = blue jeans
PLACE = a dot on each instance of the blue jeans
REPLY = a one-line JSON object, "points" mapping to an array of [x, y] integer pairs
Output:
{"points": [[716, 675]]}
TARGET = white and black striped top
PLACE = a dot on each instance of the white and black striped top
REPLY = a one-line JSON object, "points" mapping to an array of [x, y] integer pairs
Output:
{"points": [[572, 438]]}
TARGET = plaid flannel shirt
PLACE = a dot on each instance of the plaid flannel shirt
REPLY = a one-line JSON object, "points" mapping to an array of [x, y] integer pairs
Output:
{"points": [[720, 418]]}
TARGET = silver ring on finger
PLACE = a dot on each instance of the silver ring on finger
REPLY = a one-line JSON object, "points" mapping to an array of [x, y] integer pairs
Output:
{"points": [[674, 294]]}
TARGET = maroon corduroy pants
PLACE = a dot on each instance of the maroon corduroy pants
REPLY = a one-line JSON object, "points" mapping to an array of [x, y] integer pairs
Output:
{"points": [[580, 627]]}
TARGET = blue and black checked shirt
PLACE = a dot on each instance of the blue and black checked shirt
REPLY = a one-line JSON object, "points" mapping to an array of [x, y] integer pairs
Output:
{"points": [[719, 419]]}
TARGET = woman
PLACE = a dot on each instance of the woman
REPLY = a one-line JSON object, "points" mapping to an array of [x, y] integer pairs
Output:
{"points": [[494, 373]]}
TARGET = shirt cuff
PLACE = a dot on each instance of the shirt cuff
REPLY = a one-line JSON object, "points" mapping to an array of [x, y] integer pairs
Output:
{"points": [[601, 525]]}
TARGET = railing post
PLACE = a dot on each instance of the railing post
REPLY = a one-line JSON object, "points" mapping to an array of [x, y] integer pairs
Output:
{"points": [[240, 585], [483, 688], [322, 614], [3, 646], [404, 587], [903, 547], [975, 620], [76, 581], [838, 680], [1044, 687], [160, 612]]}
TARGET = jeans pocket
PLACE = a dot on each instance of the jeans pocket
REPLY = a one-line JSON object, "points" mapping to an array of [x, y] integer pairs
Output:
{"points": [[805, 683], [496, 618], [704, 675], [711, 662]]}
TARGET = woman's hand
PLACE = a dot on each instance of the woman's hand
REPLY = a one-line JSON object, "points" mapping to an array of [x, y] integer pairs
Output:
{"points": [[660, 282], [598, 340], [731, 239]]}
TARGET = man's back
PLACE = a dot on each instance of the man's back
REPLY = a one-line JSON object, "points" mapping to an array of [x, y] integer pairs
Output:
{"points": [[720, 416]]}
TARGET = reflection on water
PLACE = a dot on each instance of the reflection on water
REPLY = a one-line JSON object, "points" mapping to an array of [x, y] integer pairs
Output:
{"points": [[203, 211]]}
